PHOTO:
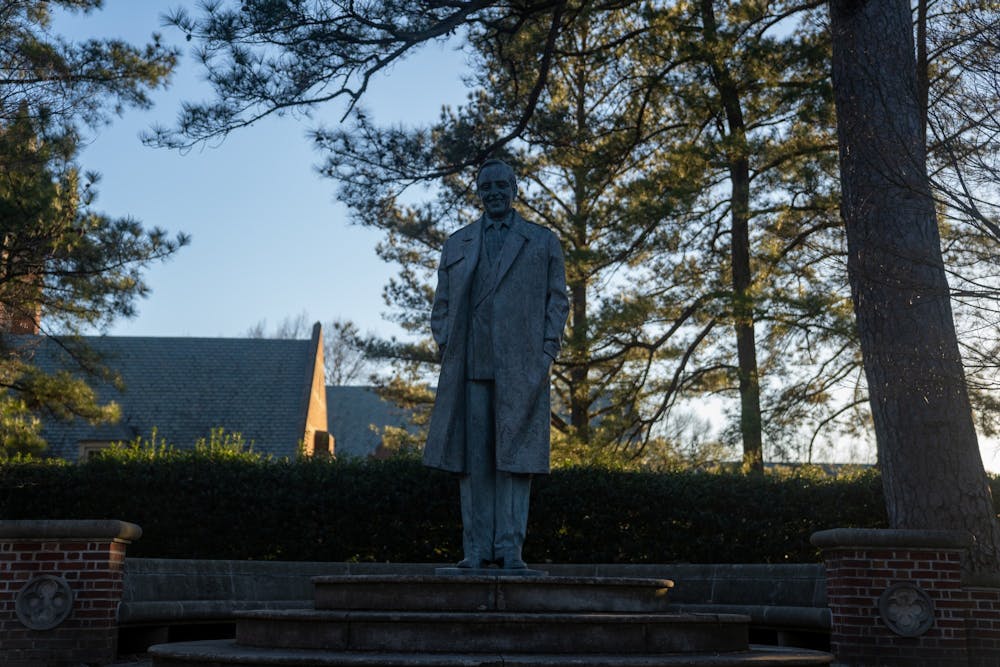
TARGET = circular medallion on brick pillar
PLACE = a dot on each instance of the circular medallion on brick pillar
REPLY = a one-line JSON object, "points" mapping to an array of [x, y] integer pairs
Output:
{"points": [[44, 602], [906, 609]]}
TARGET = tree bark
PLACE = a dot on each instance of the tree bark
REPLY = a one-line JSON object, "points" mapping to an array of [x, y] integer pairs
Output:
{"points": [[923, 68], [579, 329], [932, 471], [579, 408], [743, 316], [737, 155]]}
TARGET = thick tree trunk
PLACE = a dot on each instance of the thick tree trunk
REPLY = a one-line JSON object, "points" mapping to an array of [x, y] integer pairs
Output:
{"points": [[929, 456]]}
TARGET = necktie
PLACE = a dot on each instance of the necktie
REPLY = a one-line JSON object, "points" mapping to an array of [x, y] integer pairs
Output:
{"points": [[493, 243]]}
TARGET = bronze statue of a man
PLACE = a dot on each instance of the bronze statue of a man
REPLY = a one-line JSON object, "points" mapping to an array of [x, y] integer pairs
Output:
{"points": [[499, 312]]}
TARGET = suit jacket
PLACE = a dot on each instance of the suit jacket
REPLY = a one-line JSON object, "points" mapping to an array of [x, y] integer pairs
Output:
{"points": [[529, 314]]}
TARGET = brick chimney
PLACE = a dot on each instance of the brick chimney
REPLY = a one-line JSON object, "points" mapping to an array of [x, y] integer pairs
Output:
{"points": [[20, 319], [20, 306]]}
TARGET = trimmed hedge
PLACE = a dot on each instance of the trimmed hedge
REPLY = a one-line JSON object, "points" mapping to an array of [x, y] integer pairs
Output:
{"points": [[197, 504]]}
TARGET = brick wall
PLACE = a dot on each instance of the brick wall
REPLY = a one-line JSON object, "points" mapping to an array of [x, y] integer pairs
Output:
{"points": [[46, 557], [897, 598], [316, 425], [983, 625]]}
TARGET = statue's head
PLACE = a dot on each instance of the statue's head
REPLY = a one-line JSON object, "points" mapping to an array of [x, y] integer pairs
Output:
{"points": [[496, 187]]}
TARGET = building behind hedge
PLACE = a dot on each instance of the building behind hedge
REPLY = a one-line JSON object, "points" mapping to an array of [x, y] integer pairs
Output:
{"points": [[271, 391], [358, 419]]}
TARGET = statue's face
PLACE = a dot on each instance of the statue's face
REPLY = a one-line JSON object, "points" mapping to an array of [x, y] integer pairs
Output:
{"points": [[495, 188]]}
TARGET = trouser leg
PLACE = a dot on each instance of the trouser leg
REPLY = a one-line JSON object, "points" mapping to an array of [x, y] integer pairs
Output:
{"points": [[511, 516], [477, 486]]}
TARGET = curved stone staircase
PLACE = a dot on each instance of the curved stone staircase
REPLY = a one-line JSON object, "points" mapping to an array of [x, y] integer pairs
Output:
{"points": [[484, 620]]}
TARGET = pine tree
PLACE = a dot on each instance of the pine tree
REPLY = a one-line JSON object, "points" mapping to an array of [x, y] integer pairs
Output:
{"points": [[63, 266], [681, 120]]}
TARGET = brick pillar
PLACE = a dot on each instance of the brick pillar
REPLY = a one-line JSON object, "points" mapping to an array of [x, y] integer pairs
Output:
{"points": [[983, 623], [896, 597], [60, 586]]}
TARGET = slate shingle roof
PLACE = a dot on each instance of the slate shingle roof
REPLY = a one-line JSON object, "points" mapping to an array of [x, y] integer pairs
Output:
{"points": [[187, 386], [351, 412]]}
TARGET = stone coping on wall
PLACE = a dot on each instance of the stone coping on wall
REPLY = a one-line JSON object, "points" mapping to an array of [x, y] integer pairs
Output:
{"points": [[52, 529], [890, 538], [981, 580], [886, 538], [160, 579]]}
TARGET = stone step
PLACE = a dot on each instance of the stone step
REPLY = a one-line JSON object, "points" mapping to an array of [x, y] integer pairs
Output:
{"points": [[492, 632], [225, 653], [491, 593]]}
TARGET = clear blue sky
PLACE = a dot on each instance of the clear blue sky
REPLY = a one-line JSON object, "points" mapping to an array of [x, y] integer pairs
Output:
{"points": [[268, 238]]}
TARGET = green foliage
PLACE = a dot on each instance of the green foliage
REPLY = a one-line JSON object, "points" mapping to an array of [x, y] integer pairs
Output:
{"points": [[228, 503], [65, 267], [20, 431], [604, 516], [27, 391], [220, 445], [62, 84]]}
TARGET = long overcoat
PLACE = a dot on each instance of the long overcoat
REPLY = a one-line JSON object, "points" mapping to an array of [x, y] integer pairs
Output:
{"points": [[529, 313]]}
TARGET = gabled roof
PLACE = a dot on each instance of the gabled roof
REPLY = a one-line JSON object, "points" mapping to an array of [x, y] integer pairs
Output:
{"points": [[184, 387], [357, 415]]}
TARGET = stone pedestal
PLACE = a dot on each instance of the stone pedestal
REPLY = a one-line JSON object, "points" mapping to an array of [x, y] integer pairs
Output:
{"points": [[897, 598], [485, 621], [60, 586]]}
